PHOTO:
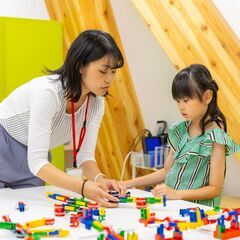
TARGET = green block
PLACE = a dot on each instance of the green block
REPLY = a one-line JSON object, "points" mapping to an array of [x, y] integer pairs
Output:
{"points": [[36, 237], [122, 233], [151, 200], [101, 218], [217, 209], [101, 237], [158, 200], [123, 200], [8, 225], [100, 229], [41, 234], [129, 199], [143, 213]]}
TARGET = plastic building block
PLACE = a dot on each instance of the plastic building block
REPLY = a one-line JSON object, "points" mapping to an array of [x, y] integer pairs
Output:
{"points": [[59, 210], [8, 225], [21, 206], [141, 203], [93, 205], [74, 220], [87, 223], [57, 197], [39, 223], [6, 218], [101, 236], [97, 225]]}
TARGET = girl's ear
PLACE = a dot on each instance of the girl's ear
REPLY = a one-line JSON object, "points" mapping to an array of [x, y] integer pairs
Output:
{"points": [[207, 96]]}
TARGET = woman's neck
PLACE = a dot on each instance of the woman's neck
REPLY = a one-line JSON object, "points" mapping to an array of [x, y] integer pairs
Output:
{"points": [[77, 104]]}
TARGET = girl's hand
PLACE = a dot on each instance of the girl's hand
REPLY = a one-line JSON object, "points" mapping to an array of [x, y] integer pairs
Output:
{"points": [[111, 184], [127, 184], [94, 192], [163, 189]]}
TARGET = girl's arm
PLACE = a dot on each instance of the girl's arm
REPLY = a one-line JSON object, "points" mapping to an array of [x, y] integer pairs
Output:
{"points": [[153, 178], [216, 179]]}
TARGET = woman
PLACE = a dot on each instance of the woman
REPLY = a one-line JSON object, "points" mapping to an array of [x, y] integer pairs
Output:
{"points": [[66, 105]]}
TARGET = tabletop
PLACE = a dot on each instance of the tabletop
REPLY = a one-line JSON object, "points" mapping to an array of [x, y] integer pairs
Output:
{"points": [[125, 217]]}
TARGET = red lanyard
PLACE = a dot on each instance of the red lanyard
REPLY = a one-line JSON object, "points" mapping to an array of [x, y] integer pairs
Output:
{"points": [[82, 133]]}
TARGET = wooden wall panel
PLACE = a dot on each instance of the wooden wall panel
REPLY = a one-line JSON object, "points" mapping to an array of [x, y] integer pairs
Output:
{"points": [[193, 31], [122, 120]]}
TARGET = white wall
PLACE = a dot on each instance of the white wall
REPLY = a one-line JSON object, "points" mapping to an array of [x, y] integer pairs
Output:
{"points": [[231, 184], [230, 10], [151, 70], [24, 9]]}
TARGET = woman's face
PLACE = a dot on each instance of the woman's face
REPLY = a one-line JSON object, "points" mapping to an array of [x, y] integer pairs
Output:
{"points": [[97, 76]]}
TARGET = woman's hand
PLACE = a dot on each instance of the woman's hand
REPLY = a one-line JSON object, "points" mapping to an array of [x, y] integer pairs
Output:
{"points": [[163, 189], [94, 192], [111, 184]]}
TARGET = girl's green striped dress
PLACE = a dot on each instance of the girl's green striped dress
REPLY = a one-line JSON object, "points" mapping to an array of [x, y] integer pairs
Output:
{"points": [[191, 168]]}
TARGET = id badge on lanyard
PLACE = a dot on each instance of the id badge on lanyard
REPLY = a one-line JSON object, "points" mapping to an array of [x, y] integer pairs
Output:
{"points": [[74, 171]]}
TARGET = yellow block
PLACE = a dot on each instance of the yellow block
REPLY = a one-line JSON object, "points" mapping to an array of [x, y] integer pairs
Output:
{"points": [[36, 223]]}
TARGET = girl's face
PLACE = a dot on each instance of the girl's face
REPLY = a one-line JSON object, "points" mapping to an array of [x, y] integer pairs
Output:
{"points": [[97, 76], [193, 109]]}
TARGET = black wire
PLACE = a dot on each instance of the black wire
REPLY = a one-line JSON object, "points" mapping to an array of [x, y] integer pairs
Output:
{"points": [[138, 137]]}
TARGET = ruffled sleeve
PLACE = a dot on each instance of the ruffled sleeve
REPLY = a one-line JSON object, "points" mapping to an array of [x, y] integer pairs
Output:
{"points": [[176, 133], [204, 144]]}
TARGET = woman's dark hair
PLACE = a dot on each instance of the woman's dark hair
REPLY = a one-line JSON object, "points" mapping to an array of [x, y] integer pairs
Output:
{"points": [[89, 46], [193, 81]]}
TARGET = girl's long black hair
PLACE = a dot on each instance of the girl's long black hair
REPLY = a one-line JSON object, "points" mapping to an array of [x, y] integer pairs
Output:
{"points": [[193, 81], [89, 46]]}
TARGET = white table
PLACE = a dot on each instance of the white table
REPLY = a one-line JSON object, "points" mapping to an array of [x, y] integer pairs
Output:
{"points": [[125, 217]]}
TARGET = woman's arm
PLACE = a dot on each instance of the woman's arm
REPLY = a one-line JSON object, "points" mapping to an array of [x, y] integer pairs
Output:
{"points": [[217, 167], [91, 170], [54, 176], [153, 178]]}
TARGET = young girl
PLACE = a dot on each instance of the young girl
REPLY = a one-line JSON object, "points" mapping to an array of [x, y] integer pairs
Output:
{"points": [[52, 110], [195, 167]]}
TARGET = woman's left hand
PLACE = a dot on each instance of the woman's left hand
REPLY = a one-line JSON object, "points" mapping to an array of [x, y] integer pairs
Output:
{"points": [[111, 184], [163, 189]]}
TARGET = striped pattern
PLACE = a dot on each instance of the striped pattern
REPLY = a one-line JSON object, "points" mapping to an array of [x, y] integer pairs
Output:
{"points": [[17, 125], [191, 168]]}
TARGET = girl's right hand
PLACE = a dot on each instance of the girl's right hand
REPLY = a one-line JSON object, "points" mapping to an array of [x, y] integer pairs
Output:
{"points": [[97, 194], [163, 189]]}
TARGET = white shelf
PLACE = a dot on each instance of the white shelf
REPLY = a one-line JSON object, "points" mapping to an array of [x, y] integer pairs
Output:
{"points": [[152, 162]]}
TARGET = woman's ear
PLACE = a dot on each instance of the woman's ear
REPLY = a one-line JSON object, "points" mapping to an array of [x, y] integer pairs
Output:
{"points": [[207, 96], [81, 69]]}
